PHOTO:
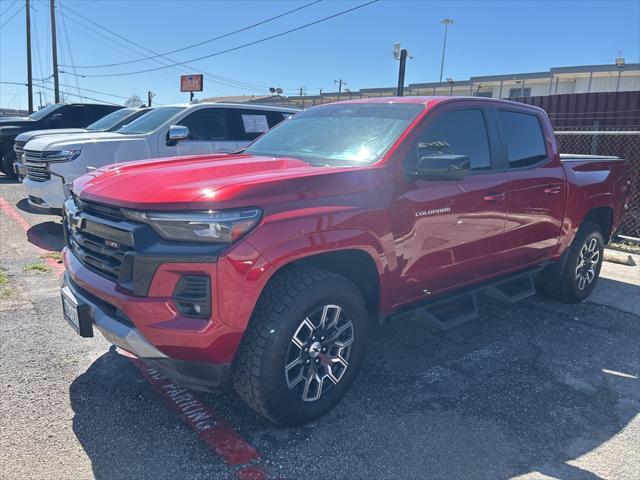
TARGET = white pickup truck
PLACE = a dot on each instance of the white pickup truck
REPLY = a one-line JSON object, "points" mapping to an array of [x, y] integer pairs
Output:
{"points": [[52, 163], [109, 123]]}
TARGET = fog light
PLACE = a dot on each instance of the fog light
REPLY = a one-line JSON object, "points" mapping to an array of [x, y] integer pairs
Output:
{"points": [[192, 296]]}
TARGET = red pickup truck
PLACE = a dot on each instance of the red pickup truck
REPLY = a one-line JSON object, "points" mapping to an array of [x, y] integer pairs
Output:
{"points": [[263, 268]]}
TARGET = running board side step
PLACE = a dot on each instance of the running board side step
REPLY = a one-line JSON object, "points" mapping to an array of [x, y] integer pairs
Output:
{"points": [[459, 308]]}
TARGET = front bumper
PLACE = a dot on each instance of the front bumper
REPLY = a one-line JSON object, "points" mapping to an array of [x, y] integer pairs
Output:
{"points": [[19, 169], [50, 194], [116, 328]]}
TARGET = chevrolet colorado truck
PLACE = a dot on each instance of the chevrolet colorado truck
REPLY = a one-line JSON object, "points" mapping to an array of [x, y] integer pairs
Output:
{"points": [[109, 123], [57, 115], [53, 163], [264, 268]]}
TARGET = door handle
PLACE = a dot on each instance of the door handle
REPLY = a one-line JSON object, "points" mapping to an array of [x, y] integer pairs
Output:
{"points": [[494, 197], [552, 189]]}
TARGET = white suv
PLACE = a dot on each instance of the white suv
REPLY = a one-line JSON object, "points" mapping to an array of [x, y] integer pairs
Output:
{"points": [[52, 163]]}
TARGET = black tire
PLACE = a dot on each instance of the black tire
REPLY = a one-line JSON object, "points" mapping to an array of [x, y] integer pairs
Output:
{"points": [[564, 284], [7, 164], [259, 368]]}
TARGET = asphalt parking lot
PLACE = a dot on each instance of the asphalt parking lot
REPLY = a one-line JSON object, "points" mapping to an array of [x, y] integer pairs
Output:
{"points": [[531, 390]]}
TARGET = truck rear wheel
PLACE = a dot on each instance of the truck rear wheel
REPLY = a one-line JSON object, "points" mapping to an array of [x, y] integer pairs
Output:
{"points": [[577, 278], [303, 346]]}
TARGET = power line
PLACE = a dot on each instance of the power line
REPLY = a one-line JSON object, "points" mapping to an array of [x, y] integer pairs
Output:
{"points": [[8, 8], [12, 16], [65, 93], [66, 36], [204, 42], [221, 80], [239, 47]]}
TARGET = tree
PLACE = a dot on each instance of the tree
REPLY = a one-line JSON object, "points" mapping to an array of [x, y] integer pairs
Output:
{"points": [[133, 101]]}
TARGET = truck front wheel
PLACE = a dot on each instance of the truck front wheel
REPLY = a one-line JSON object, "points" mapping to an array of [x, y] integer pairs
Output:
{"points": [[303, 346], [579, 274]]}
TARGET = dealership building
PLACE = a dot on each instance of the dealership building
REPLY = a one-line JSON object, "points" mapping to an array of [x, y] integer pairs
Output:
{"points": [[616, 77]]}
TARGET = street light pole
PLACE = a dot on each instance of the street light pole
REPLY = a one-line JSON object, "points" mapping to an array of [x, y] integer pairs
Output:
{"points": [[446, 22], [401, 69]]}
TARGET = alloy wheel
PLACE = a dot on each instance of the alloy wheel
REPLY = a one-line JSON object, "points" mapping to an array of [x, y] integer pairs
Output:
{"points": [[588, 260], [318, 354]]}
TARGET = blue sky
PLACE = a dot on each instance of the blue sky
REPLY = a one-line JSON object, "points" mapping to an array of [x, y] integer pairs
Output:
{"points": [[488, 37]]}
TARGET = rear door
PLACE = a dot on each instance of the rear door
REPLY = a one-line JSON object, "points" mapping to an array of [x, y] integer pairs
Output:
{"points": [[537, 185], [449, 233]]}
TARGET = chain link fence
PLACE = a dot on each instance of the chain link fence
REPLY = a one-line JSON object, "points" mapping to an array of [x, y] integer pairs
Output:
{"points": [[623, 143]]}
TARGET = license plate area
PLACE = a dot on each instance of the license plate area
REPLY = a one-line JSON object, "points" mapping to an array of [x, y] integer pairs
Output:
{"points": [[76, 313]]}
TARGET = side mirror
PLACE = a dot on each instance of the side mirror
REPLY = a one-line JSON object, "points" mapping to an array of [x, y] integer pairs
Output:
{"points": [[177, 133], [443, 167]]}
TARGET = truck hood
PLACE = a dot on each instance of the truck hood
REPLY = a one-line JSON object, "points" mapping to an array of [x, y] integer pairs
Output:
{"points": [[14, 121], [217, 181], [58, 141], [26, 136]]}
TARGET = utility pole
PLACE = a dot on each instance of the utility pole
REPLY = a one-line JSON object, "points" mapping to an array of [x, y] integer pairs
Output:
{"points": [[40, 95], [339, 83], [150, 96], [302, 89], [29, 74], [446, 22], [54, 52]]}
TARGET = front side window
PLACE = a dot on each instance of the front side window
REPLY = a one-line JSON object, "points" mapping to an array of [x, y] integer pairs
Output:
{"points": [[353, 134], [43, 112], [206, 124], [523, 138], [150, 121], [458, 132]]}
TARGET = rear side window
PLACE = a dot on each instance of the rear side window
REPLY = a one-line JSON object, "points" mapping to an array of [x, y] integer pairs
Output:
{"points": [[207, 124], [459, 132], [249, 124], [523, 138]]}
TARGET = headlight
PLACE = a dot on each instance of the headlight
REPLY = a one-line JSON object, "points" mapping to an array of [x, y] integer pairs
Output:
{"points": [[61, 155], [209, 227]]}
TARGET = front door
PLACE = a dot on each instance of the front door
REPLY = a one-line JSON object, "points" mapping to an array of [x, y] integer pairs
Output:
{"points": [[450, 233], [208, 133]]}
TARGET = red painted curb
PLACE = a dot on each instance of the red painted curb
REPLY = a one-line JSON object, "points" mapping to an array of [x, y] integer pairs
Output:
{"points": [[208, 425]]}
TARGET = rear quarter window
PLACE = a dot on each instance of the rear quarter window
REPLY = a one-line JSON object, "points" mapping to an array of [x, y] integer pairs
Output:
{"points": [[523, 138]]}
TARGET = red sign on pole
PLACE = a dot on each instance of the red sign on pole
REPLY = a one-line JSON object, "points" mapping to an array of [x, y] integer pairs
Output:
{"points": [[191, 83]]}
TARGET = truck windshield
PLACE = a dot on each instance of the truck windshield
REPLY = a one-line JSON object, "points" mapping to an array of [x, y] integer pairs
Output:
{"points": [[109, 121], [150, 121], [349, 134], [43, 112]]}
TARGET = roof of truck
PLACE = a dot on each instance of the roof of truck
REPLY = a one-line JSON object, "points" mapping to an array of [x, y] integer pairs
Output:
{"points": [[426, 99]]}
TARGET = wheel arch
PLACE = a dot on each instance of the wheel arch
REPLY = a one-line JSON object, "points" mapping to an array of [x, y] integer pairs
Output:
{"points": [[354, 264], [603, 217]]}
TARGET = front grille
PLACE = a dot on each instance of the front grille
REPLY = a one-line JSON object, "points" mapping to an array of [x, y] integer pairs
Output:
{"points": [[100, 254], [18, 147], [38, 172], [98, 241], [104, 211]]}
